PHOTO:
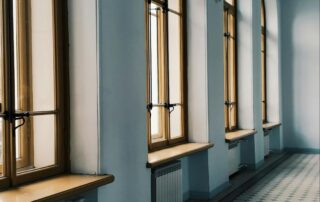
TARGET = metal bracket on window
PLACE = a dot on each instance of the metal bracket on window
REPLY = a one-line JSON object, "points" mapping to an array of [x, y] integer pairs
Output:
{"points": [[21, 116], [17, 116], [165, 105], [227, 34], [228, 103]]}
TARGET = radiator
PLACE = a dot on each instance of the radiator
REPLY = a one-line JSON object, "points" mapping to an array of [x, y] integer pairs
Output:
{"points": [[234, 156], [266, 145], [166, 183]]}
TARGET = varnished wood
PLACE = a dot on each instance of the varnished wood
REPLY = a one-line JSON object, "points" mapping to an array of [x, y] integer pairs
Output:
{"points": [[164, 140], [268, 126], [239, 134], [56, 188], [166, 155]]}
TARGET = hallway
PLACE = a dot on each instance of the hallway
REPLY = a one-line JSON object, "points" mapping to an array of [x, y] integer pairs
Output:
{"points": [[296, 179]]}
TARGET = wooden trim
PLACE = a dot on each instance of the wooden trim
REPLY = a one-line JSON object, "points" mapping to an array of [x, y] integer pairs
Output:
{"points": [[263, 29], [10, 174], [239, 134], [164, 94], [56, 189], [270, 125], [166, 155], [230, 10]]}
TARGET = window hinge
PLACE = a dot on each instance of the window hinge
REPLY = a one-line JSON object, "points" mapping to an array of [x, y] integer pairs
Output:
{"points": [[228, 103]]}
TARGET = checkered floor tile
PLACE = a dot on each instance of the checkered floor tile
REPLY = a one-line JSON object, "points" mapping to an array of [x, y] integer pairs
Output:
{"points": [[297, 179]]}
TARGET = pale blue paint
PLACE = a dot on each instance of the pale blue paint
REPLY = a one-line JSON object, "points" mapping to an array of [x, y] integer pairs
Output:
{"points": [[300, 73], [122, 100]]}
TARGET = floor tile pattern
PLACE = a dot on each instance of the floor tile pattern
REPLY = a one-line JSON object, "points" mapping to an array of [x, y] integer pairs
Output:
{"points": [[297, 179]]}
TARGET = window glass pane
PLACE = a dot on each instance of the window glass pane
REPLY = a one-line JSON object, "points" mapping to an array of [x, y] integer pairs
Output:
{"points": [[1, 145], [34, 56], [175, 5], [175, 52], [231, 2], [176, 123], [41, 153], [1, 90], [157, 131], [232, 71], [43, 75], [154, 56]]}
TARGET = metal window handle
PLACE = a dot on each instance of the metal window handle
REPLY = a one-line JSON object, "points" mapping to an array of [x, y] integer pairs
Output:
{"points": [[228, 103], [165, 105], [17, 116], [227, 34]]}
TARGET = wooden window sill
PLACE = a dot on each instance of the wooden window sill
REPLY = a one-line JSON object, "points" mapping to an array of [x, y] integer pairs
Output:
{"points": [[269, 126], [56, 188], [173, 153], [239, 134]]}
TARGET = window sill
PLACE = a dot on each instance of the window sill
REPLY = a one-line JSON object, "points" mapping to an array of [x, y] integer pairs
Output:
{"points": [[269, 126], [239, 134], [56, 188], [173, 153]]}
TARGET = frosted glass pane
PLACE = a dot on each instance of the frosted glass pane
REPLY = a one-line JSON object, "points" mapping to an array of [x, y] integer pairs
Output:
{"points": [[174, 58], [43, 74], [174, 5], [1, 145], [231, 2], [155, 119], [154, 59], [44, 131], [176, 123], [1, 90], [43, 134]]}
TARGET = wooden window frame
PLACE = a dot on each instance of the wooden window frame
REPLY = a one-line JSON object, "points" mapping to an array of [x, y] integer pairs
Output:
{"points": [[230, 9], [10, 175], [263, 62], [165, 141]]}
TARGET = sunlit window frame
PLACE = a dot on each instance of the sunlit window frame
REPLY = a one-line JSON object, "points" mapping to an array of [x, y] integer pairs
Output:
{"points": [[230, 8], [10, 176], [263, 63], [165, 114]]}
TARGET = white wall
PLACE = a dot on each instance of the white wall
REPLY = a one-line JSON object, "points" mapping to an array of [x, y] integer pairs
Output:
{"points": [[84, 80], [198, 130], [300, 73]]}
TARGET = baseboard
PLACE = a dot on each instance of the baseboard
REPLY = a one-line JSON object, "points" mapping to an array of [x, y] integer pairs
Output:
{"points": [[196, 195], [186, 196], [219, 189], [303, 150], [256, 166]]}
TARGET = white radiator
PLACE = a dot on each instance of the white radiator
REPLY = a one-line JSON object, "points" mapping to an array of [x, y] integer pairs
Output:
{"points": [[266, 145], [234, 156], [166, 183]]}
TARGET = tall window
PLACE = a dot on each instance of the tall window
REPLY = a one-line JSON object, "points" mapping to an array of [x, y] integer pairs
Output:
{"points": [[263, 63], [230, 68], [33, 90], [165, 72]]}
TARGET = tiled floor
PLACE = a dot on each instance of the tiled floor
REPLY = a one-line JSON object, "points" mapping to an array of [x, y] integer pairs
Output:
{"points": [[297, 179]]}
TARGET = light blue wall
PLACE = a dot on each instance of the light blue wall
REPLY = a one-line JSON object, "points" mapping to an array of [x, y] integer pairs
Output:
{"points": [[218, 155], [300, 73], [122, 100]]}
